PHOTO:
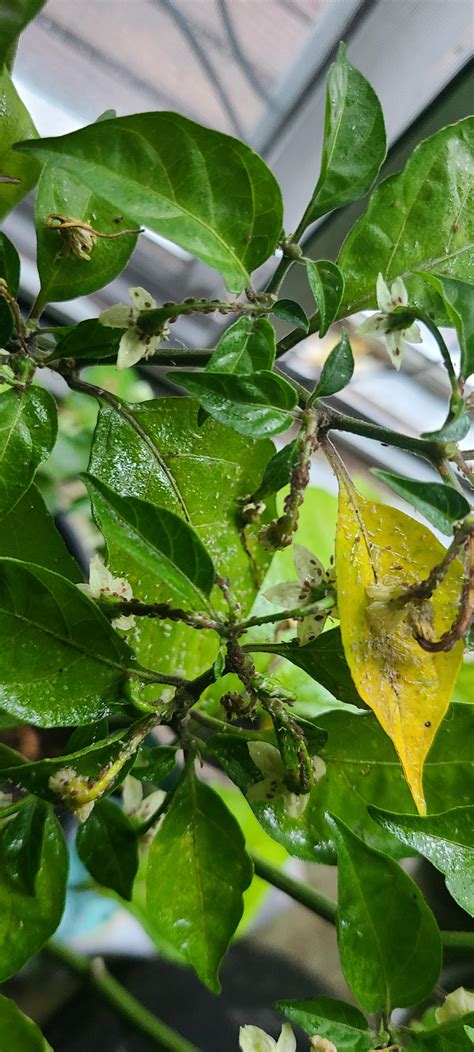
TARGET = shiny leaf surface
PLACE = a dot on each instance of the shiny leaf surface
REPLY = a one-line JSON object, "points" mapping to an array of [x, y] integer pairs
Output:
{"points": [[108, 847], [18, 1033], [28, 532], [458, 297], [327, 285], [260, 405], [15, 124], [334, 1020], [337, 369], [10, 273], [14, 16], [28, 424], [22, 843], [245, 347]]}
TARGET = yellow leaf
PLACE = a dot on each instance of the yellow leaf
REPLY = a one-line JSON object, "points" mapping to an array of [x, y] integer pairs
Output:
{"points": [[379, 548]]}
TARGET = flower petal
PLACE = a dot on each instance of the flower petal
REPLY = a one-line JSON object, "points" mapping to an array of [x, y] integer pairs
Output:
{"points": [[399, 293], [141, 299], [150, 804], [132, 795], [384, 299], [286, 594], [131, 349], [413, 334], [287, 1040], [310, 628], [396, 348], [306, 564], [253, 1039], [295, 805], [124, 623], [268, 760], [118, 317]]}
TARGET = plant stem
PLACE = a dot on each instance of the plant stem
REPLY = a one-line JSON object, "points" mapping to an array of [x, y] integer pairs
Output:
{"points": [[94, 971], [221, 727], [331, 420], [152, 321], [296, 889], [455, 388], [162, 611], [11, 809], [457, 941], [296, 612]]}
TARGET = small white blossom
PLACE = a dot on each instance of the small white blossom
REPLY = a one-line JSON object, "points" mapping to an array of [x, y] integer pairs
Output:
{"points": [[253, 1039], [311, 574], [321, 1044], [140, 807], [456, 1004], [272, 786], [134, 344], [379, 324], [103, 583]]}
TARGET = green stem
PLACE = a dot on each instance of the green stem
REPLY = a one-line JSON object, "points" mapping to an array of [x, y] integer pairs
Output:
{"points": [[12, 809], [152, 321], [221, 727], [331, 420], [455, 388], [296, 612], [94, 971], [290, 255], [457, 941], [161, 611]]}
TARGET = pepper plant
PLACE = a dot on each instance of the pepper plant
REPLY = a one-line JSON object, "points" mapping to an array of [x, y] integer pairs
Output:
{"points": [[193, 500]]}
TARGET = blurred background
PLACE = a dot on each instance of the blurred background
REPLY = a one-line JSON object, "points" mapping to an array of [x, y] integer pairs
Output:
{"points": [[254, 69]]}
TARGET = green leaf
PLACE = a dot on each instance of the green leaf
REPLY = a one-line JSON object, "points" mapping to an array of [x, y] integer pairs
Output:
{"points": [[337, 1021], [63, 275], [279, 470], [455, 427], [107, 845], [246, 346], [458, 298], [88, 762], [419, 219], [27, 921], [389, 942], [354, 139], [327, 286], [14, 16], [450, 1037], [61, 663], [88, 342], [203, 190], [155, 764], [27, 532], [28, 424], [197, 872], [446, 840], [18, 1033], [324, 660], [337, 369], [288, 310], [165, 546], [259, 405], [10, 272], [22, 843], [199, 474], [441, 505], [15, 124]]}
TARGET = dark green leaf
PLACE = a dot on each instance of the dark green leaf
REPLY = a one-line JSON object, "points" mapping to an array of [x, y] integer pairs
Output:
{"points": [[458, 297], [327, 286], [324, 660], [82, 737], [420, 218], [61, 663], [22, 844], [337, 1021], [259, 405], [27, 921], [197, 872], [108, 847], [389, 942], [63, 275], [18, 1033], [446, 840], [248, 345], [10, 272], [206, 191], [28, 533], [450, 1037], [15, 124], [354, 139], [28, 423], [88, 763], [199, 474], [165, 546], [155, 764], [88, 341], [337, 369], [14, 16], [454, 429], [288, 310], [441, 505], [279, 470]]}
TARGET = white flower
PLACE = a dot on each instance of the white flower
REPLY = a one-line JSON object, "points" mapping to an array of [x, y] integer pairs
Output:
{"points": [[380, 324], [269, 762], [253, 1039], [299, 593], [456, 1004], [134, 344], [140, 807], [321, 1044], [103, 583]]}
